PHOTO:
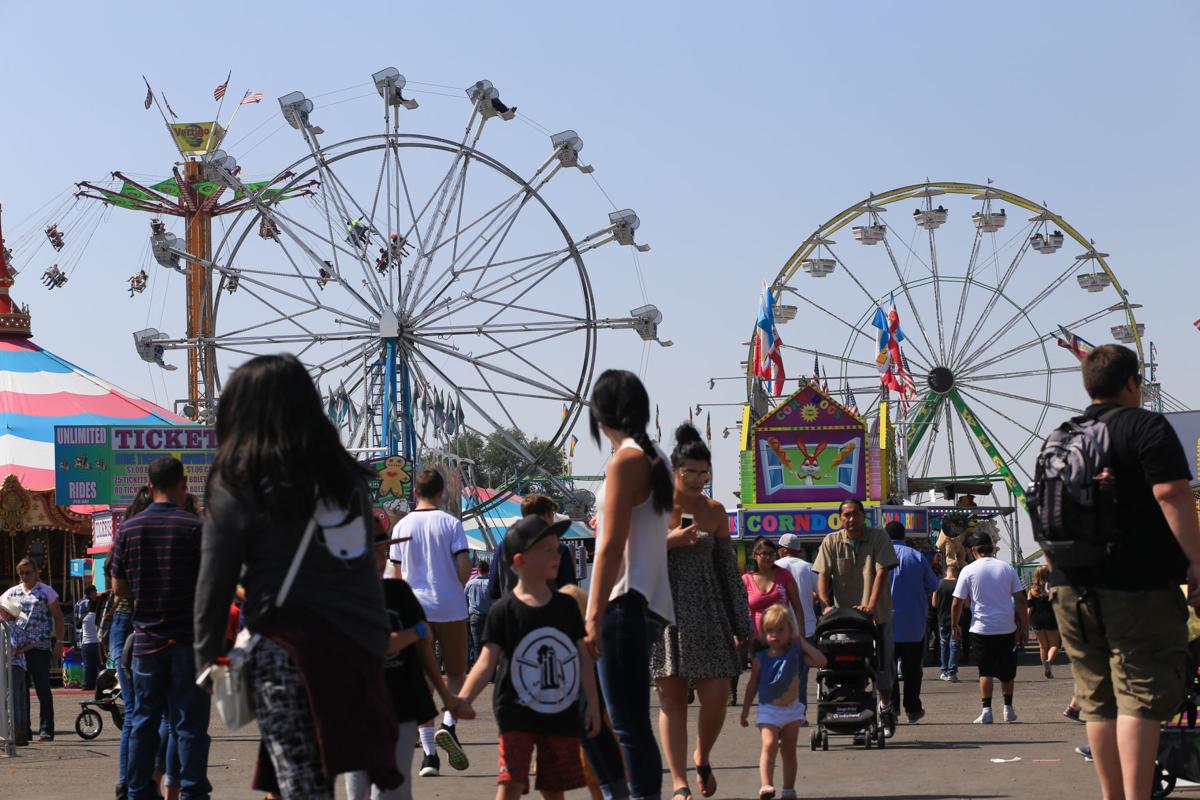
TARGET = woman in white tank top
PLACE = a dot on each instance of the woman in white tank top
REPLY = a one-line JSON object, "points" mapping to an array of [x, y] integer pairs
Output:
{"points": [[630, 598]]}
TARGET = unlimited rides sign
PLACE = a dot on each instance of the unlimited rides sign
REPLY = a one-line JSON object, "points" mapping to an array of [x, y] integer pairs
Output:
{"points": [[107, 464]]}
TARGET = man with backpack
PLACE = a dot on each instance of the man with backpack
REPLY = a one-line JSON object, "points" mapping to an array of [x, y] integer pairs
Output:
{"points": [[1113, 510]]}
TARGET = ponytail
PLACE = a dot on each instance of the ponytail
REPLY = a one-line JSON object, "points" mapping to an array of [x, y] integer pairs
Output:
{"points": [[619, 401], [662, 488]]}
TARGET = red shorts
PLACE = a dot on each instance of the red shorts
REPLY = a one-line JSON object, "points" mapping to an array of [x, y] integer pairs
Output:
{"points": [[558, 765]]}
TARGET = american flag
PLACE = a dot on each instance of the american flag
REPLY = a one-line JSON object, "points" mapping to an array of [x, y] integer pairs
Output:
{"points": [[150, 100], [851, 403], [254, 96], [219, 92]]}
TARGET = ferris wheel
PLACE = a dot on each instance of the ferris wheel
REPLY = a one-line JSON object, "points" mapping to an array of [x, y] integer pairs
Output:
{"points": [[438, 298], [997, 297]]}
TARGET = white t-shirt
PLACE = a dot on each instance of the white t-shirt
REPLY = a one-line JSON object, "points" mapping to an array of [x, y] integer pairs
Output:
{"points": [[806, 585], [989, 584], [87, 629], [431, 541]]}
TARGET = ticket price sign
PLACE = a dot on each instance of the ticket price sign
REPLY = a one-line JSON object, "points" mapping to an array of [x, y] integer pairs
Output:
{"points": [[107, 464]]}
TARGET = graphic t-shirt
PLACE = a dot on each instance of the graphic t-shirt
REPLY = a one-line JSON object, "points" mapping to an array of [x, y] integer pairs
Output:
{"points": [[36, 603], [430, 541], [779, 676], [539, 678], [402, 672]]}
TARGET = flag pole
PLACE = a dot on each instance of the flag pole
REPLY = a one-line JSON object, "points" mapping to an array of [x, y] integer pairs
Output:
{"points": [[154, 97], [233, 116]]}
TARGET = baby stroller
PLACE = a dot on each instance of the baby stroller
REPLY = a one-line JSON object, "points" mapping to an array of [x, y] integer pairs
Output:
{"points": [[847, 698], [89, 723], [1179, 743]]}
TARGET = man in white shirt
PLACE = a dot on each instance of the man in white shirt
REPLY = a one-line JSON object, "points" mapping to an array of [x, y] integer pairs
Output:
{"points": [[430, 549], [992, 587]]}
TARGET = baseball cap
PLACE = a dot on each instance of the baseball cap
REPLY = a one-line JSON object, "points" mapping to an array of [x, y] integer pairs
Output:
{"points": [[528, 531], [978, 540], [790, 541]]}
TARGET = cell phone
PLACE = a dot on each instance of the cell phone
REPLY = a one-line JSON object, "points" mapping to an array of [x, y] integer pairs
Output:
{"points": [[686, 521]]}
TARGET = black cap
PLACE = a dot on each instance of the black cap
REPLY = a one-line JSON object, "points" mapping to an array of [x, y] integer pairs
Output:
{"points": [[528, 531], [978, 540]]}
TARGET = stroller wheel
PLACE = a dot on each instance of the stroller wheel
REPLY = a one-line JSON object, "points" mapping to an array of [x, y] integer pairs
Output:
{"points": [[881, 738], [1164, 781], [816, 740], [88, 724], [824, 741]]}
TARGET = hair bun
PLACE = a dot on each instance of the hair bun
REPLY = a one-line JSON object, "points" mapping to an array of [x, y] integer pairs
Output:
{"points": [[687, 433]]}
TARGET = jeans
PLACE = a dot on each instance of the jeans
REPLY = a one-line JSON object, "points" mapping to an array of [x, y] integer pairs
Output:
{"points": [[911, 655], [358, 785], [625, 680], [949, 649], [604, 757], [474, 636], [19, 694], [122, 626], [91, 665], [37, 674], [166, 681]]}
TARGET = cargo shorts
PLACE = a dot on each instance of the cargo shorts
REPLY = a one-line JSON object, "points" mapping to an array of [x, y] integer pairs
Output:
{"points": [[1128, 650]]}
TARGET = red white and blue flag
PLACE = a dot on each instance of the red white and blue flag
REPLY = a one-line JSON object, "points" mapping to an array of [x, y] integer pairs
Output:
{"points": [[893, 370], [1078, 346], [768, 362]]}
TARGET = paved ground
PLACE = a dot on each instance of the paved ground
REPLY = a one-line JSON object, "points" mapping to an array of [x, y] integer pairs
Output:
{"points": [[944, 756]]}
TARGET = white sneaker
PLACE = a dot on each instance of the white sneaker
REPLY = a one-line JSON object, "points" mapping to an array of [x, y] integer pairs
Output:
{"points": [[943, 677], [1010, 714], [984, 718]]}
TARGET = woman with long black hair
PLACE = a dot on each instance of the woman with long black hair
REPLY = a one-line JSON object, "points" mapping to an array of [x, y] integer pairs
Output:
{"points": [[630, 598], [317, 671]]}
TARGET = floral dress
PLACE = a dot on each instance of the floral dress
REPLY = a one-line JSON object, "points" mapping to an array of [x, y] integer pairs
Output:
{"points": [[710, 609]]}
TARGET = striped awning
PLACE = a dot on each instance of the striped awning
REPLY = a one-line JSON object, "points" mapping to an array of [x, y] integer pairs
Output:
{"points": [[39, 390]]}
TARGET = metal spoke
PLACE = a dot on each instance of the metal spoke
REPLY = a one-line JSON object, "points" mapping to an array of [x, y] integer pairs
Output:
{"points": [[1095, 315], [966, 289], [995, 298], [937, 302], [1029, 373], [908, 296], [1044, 403], [564, 394], [950, 436], [976, 399], [1023, 311]]}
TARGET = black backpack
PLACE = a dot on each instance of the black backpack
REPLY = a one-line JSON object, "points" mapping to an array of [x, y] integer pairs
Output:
{"points": [[1072, 502]]}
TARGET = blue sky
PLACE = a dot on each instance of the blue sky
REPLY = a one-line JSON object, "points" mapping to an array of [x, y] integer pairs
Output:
{"points": [[733, 130]]}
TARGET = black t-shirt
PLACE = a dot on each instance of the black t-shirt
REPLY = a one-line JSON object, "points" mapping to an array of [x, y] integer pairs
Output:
{"points": [[539, 679], [1145, 451], [402, 672], [944, 597]]}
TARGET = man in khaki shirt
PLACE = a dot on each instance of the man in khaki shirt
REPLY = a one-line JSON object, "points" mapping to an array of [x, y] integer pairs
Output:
{"points": [[853, 566]]}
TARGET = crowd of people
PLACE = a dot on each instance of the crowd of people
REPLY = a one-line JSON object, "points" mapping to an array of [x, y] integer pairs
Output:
{"points": [[372, 637]]}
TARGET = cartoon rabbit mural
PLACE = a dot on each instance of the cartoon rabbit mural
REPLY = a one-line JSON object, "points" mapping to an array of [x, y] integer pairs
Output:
{"points": [[810, 468]]}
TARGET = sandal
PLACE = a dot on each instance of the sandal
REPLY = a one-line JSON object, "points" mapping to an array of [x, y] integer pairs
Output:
{"points": [[683, 792], [766, 793], [707, 783]]}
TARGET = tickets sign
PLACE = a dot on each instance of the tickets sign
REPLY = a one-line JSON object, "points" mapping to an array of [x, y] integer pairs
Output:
{"points": [[107, 464]]}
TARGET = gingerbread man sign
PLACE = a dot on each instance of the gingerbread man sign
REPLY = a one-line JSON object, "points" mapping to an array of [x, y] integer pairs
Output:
{"points": [[394, 477]]}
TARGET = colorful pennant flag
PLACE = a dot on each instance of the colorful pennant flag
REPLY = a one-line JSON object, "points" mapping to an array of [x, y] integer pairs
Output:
{"points": [[893, 371], [768, 361], [708, 428], [1073, 342], [574, 441]]}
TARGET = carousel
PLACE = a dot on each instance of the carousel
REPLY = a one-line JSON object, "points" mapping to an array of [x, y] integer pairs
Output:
{"points": [[39, 390]]}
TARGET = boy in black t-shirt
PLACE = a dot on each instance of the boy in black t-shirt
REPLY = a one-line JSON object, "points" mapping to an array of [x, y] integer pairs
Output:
{"points": [[410, 660], [535, 637], [942, 598]]}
